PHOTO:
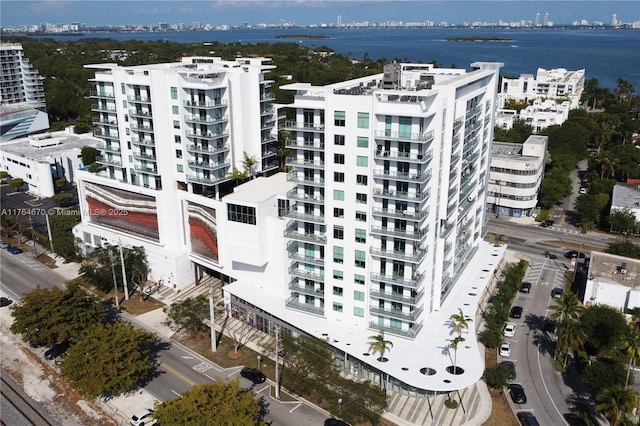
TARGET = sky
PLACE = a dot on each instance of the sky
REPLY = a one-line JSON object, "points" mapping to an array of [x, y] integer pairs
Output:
{"points": [[309, 12]]}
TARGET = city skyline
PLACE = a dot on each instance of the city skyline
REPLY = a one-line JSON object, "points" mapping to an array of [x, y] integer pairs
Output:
{"points": [[320, 12]]}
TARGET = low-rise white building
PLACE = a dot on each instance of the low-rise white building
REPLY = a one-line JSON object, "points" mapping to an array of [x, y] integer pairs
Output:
{"points": [[540, 115], [613, 280], [515, 176], [557, 84], [41, 159], [626, 196]]}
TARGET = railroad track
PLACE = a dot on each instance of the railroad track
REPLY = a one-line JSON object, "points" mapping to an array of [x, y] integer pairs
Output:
{"points": [[23, 407]]}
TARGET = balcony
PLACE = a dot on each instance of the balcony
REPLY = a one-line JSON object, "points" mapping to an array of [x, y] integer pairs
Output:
{"points": [[310, 164], [144, 156], [112, 161], [104, 134], [398, 314], [404, 156], [101, 95], [410, 333], [142, 114], [294, 233], [293, 177], [418, 197], [402, 214], [293, 302], [304, 274], [409, 234], [425, 137], [147, 170], [306, 145], [397, 297], [298, 257], [216, 103], [141, 127], [143, 142], [305, 289], [269, 153], [293, 213], [139, 99], [100, 121], [205, 119], [267, 96], [206, 165], [206, 135], [298, 126], [415, 257], [108, 147], [403, 176], [413, 282], [299, 196], [208, 180], [216, 149]]}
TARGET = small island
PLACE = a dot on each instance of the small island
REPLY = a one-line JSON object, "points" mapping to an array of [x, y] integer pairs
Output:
{"points": [[301, 36], [489, 39]]}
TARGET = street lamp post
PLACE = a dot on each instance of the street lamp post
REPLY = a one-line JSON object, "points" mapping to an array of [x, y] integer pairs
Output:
{"points": [[115, 281], [124, 272], [212, 318]]}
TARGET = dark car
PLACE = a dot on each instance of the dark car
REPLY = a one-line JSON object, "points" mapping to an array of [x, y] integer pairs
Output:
{"points": [[574, 253], [253, 374], [511, 366], [546, 223], [516, 312], [4, 301], [527, 419], [550, 325], [525, 287], [574, 420], [517, 394], [56, 350], [14, 250], [335, 422], [557, 293]]}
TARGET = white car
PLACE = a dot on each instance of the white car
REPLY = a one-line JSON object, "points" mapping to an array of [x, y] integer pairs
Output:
{"points": [[582, 191], [505, 349], [509, 329], [143, 417]]}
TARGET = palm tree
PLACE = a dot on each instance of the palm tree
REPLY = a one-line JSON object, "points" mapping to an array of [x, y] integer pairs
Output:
{"points": [[633, 352], [460, 322], [248, 164], [378, 344], [566, 308], [615, 402], [453, 343], [498, 239], [572, 336]]}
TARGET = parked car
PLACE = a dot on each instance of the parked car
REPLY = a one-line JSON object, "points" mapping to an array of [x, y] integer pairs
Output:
{"points": [[56, 350], [5, 301], [557, 293], [335, 422], [516, 312], [14, 250], [582, 191], [142, 417], [512, 368], [550, 325], [505, 349], [4, 245], [527, 418], [546, 223], [574, 253], [253, 374], [574, 420], [509, 329], [517, 393], [525, 287]]}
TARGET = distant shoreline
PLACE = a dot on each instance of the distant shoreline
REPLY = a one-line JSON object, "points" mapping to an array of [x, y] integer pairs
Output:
{"points": [[302, 36], [484, 39]]}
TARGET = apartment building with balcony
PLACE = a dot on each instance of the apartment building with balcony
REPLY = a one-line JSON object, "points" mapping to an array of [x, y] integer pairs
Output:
{"points": [[22, 106], [515, 176], [539, 115], [557, 84]]}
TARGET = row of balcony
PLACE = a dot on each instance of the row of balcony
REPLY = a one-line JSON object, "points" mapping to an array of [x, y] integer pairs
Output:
{"points": [[304, 274], [293, 194], [205, 119], [302, 126], [397, 297], [311, 290], [419, 158], [416, 257], [403, 176], [292, 231], [311, 164], [206, 149], [409, 234], [403, 214], [206, 135], [410, 333], [403, 195], [424, 137], [294, 177], [216, 103], [294, 254], [293, 213], [413, 281], [306, 145], [294, 302], [396, 313], [208, 179], [208, 165]]}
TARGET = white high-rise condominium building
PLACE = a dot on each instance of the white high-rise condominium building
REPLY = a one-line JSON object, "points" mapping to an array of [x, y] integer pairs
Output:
{"points": [[376, 225], [22, 106]]}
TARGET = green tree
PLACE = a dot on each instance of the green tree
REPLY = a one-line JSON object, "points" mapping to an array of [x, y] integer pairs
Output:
{"points": [[615, 403], [497, 376], [109, 359], [567, 308], [377, 343], [604, 373], [605, 328], [103, 262], [632, 343], [213, 404], [89, 155], [498, 239], [16, 183], [571, 337], [61, 223], [61, 199], [61, 183], [49, 316], [188, 315], [622, 220], [624, 248]]}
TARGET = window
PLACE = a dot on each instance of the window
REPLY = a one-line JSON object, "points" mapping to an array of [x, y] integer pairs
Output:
{"points": [[123, 89], [338, 158], [359, 312], [363, 142], [338, 212], [362, 179], [361, 216], [361, 257], [338, 232], [177, 139], [283, 207], [339, 118], [338, 275], [176, 124], [127, 131], [358, 279], [358, 295], [338, 254], [361, 198], [362, 161], [124, 104], [180, 168], [337, 291], [178, 153], [338, 177], [175, 109], [338, 140], [337, 307], [361, 236], [363, 120], [174, 93], [241, 214], [338, 195]]}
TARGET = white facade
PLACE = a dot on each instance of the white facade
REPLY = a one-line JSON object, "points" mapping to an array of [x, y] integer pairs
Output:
{"points": [[557, 84], [42, 159], [377, 224], [515, 177], [626, 196], [22, 106], [540, 115], [613, 280]]}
